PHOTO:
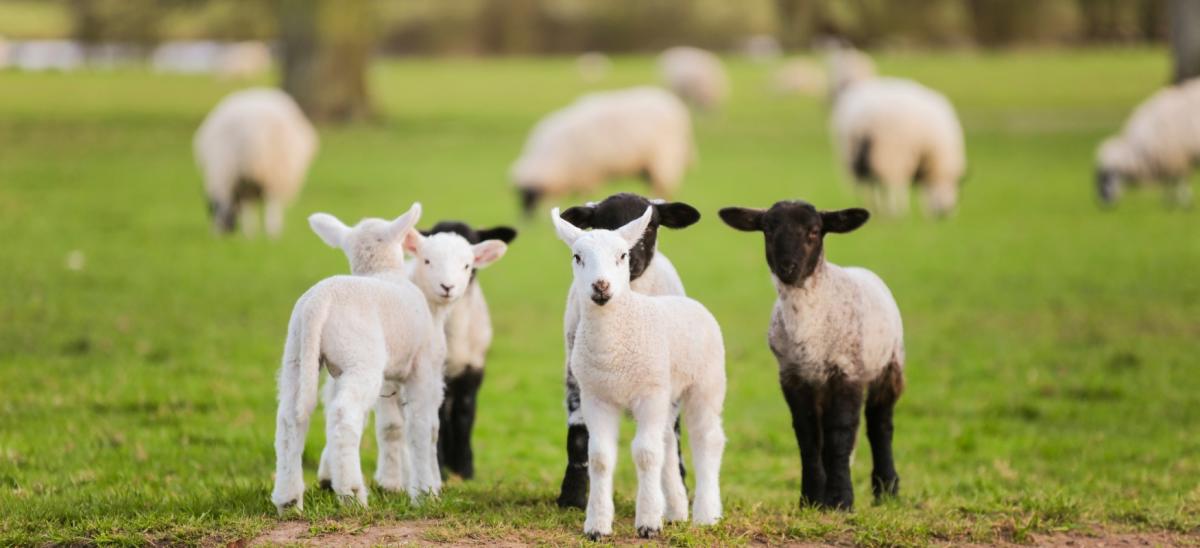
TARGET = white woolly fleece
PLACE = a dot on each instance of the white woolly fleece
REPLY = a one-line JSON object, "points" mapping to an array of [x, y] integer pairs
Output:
{"points": [[1161, 139], [607, 135], [695, 75]]}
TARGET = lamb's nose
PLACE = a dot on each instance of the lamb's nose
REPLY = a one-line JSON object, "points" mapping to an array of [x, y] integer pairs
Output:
{"points": [[600, 286], [446, 288]]}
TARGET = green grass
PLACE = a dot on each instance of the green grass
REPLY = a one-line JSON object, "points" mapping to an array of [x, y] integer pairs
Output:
{"points": [[1051, 345]]}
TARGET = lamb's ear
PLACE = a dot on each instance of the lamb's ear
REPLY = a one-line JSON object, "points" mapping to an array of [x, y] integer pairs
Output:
{"points": [[676, 215], [844, 220], [331, 230], [488, 252], [405, 223], [567, 232], [635, 229], [413, 240], [743, 218], [505, 234], [580, 216]]}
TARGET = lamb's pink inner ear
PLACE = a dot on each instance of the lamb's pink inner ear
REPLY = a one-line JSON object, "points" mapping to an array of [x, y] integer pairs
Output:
{"points": [[412, 241], [488, 252]]}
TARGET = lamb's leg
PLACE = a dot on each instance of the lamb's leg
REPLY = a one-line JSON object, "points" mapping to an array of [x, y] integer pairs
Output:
{"points": [[603, 423], [273, 216], [389, 435], [804, 400], [354, 392], [703, 412], [463, 416], [291, 427], [653, 418], [573, 493], [324, 474], [881, 400], [840, 425], [424, 392], [446, 439], [678, 444], [247, 217], [674, 490]]}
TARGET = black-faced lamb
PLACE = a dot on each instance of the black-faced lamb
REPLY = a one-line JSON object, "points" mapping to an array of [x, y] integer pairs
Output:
{"points": [[640, 354], [836, 332], [1160, 142], [651, 273], [641, 131], [255, 146]]}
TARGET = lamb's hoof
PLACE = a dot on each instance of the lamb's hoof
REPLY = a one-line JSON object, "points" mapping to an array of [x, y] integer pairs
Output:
{"points": [[356, 497], [648, 532], [326, 484], [594, 536], [289, 506]]}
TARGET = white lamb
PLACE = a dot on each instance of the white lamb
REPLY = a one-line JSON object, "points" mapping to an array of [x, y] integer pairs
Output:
{"points": [[696, 75], [836, 332], [256, 145], [892, 133], [380, 337], [650, 273], [1160, 142], [640, 354], [642, 131]]}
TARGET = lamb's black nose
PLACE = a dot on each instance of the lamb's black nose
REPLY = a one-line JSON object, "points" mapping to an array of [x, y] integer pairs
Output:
{"points": [[600, 286], [446, 288]]}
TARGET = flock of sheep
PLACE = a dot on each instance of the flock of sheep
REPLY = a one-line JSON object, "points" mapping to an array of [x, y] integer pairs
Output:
{"points": [[408, 338]]}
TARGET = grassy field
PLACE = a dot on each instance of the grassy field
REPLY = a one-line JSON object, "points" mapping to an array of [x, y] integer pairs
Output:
{"points": [[1052, 346]]}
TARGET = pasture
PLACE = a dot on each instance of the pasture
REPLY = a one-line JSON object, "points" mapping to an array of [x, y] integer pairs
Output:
{"points": [[1052, 346]]}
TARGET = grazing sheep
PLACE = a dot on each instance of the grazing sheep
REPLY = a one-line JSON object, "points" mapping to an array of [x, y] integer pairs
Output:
{"points": [[835, 332], [244, 60], [891, 133], [256, 145], [695, 75], [48, 55], [593, 66], [380, 336], [799, 77], [1160, 142], [762, 48], [642, 131], [468, 337], [641, 354], [650, 273], [847, 66]]}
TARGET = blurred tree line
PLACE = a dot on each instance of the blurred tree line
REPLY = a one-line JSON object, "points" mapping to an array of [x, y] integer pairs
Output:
{"points": [[563, 26]]}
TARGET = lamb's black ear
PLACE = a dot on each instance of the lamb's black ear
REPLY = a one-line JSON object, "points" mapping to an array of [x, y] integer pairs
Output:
{"points": [[580, 216], [844, 220], [676, 215], [503, 233], [426, 233], [743, 218]]}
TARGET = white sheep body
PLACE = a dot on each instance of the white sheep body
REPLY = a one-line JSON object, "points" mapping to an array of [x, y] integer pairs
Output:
{"points": [[842, 320], [606, 135], [695, 75], [909, 132], [257, 137]]}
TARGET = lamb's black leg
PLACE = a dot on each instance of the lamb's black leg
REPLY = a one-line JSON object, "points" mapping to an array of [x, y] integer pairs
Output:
{"points": [[805, 403], [463, 418], [574, 491], [840, 425], [881, 400], [446, 438], [679, 450]]}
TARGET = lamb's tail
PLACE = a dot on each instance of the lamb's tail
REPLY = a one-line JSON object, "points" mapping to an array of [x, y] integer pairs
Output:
{"points": [[302, 357]]}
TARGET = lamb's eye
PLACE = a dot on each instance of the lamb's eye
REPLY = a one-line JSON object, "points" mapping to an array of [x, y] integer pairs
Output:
{"points": [[426, 261], [623, 255], [466, 267], [578, 260]]}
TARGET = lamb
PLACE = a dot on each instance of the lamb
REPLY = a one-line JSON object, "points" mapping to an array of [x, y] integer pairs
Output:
{"points": [[891, 133], [834, 331], [642, 131], [640, 354], [695, 75], [468, 337], [379, 335], [256, 145], [651, 273], [1160, 142]]}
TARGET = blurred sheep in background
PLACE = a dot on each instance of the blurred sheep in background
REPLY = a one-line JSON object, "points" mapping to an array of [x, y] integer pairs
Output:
{"points": [[800, 77], [696, 76], [762, 48]]}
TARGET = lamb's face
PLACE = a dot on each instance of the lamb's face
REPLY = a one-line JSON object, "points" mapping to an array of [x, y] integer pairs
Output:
{"points": [[621, 209], [600, 258], [445, 263], [794, 233], [473, 236]]}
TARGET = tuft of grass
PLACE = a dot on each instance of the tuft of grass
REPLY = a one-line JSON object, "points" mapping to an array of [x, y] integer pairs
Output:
{"points": [[1050, 344]]}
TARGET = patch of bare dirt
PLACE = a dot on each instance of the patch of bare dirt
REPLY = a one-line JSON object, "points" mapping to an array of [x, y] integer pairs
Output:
{"points": [[1076, 540], [301, 533]]}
